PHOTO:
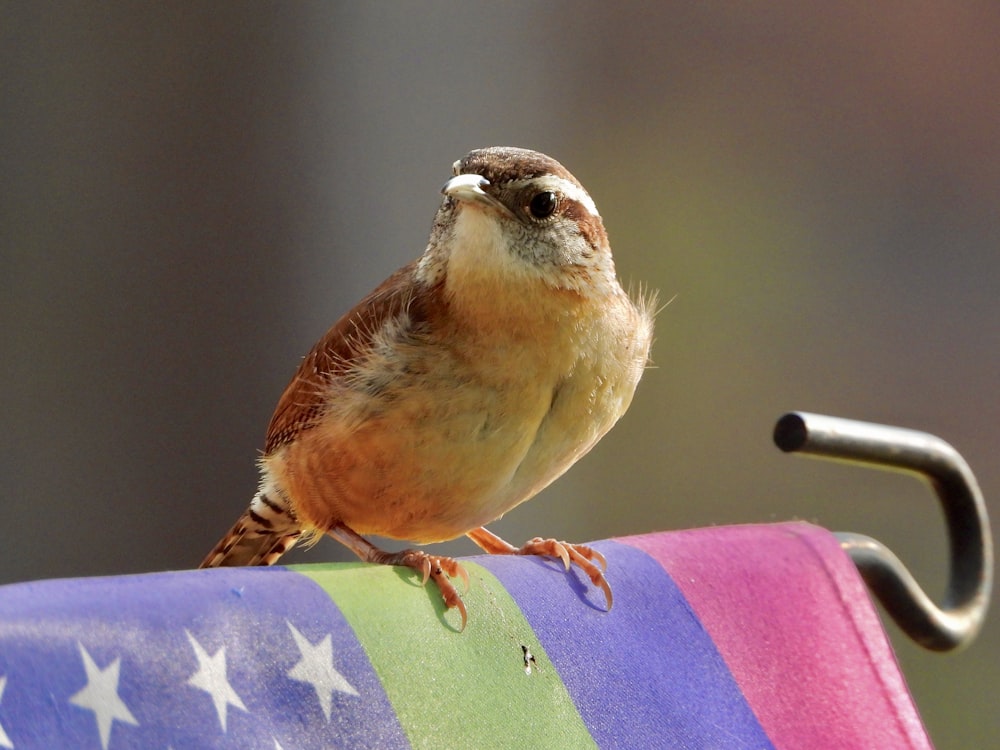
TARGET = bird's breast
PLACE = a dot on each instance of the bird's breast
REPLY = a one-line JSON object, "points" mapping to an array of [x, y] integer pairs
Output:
{"points": [[436, 432]]}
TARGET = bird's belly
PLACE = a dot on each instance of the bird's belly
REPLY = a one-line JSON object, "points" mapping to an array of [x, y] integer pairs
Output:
{"points": [[424, 466]]}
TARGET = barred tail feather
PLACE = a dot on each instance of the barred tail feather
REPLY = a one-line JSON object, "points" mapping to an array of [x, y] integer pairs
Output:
{"points": [[260, 536]]}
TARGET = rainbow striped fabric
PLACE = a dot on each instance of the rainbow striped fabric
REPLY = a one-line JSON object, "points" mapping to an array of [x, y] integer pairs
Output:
{"points": [[733, 637]]}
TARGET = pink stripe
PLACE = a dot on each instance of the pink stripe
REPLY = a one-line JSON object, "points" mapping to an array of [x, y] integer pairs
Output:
{"points": [[793, 621]]}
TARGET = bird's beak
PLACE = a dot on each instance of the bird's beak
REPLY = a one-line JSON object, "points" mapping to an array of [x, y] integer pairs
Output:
{"points": [[469, 188]]}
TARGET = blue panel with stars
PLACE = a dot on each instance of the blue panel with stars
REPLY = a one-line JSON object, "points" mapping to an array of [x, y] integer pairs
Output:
{"points": [[212, 659]]}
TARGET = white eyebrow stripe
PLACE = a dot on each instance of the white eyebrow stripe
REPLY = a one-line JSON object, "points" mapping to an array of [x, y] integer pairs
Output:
{"points": [[557, 185]]}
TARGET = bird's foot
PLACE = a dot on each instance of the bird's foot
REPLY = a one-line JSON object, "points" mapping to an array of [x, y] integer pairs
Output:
{"points": [[431, 567], [435, 568], [582, 556]]}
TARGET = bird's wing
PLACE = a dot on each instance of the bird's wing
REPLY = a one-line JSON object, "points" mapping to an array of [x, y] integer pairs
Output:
{"points": [[302, 404]]}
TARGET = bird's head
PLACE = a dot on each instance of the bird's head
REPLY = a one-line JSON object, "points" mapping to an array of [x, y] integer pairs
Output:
{"points": [[513, 216]]}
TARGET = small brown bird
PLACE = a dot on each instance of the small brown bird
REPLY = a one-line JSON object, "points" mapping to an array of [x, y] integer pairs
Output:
{"points": [[462, 386]]}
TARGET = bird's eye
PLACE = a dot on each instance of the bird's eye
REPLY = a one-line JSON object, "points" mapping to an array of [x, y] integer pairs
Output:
{"points": [[543, 205]]}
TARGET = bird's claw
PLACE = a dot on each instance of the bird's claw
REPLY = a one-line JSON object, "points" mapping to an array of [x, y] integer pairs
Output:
{"points": [[581, 555], [440, 570]]}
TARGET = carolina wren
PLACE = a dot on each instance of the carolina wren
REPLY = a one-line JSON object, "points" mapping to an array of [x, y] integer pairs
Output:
{"points": [[462, 386]]}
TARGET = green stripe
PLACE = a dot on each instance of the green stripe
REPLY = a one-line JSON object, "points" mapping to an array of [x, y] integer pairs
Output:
{"points": [[454, 689]]}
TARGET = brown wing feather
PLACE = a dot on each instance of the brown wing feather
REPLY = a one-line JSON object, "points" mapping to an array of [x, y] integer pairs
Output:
{"points": [[302, 404]]}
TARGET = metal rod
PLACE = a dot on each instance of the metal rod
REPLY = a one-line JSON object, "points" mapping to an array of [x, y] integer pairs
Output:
{"points": [[957, 621]]}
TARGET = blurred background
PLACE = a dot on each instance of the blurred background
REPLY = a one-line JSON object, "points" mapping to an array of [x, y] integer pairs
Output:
{"points": [[190, 194]]}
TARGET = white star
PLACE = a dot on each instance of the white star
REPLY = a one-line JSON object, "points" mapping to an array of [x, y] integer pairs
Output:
{"points": [[4, 739], [101, 696], [316, 668], [211, 677]]}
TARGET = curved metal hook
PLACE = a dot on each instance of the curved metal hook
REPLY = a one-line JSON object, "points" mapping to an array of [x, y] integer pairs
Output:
{"points": [[957, 621]]}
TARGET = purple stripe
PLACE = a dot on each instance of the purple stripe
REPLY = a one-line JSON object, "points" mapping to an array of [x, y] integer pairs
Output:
{"points": [[642, 675], [147, 622]]}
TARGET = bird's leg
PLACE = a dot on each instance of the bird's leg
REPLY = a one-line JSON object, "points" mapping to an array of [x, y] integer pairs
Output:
{"points": [[583, 556], [438, 569]]}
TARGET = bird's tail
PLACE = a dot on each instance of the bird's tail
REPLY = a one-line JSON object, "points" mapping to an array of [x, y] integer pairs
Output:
{"points": [[265, 531]]}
